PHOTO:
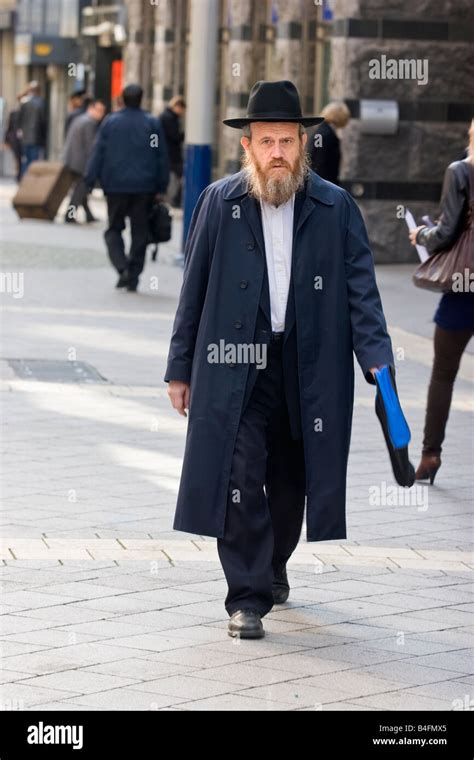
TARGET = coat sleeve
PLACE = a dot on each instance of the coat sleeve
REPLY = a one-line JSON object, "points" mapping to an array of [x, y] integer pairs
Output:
{"points": [[370, 339], [96, 159], [193, 293], [453, 202]]}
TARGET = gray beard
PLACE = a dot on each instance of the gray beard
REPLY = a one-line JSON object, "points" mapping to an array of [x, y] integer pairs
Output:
{"points": [[274, 190]]}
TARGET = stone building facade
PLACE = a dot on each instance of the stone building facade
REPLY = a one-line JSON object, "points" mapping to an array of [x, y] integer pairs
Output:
{"points": [[327, 48]]}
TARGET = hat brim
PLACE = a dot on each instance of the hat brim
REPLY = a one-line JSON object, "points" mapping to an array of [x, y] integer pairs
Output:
{"points": [[306, 121]]}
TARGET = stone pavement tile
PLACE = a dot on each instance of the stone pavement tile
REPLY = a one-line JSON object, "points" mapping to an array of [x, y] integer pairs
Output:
{"points": [[410, 672], [304, 663], [405, 646], [16, 696], [81, 590], [461, 661], [66, 658], [198, 634], [20, 623], [186, 687], [305, 594], [313, 615], [463, 607], [161, 620], [458, 593], [402, 700], [296, 693], [9, 648], [446, 616], [448, 690], [151, 642], [61, 613], [172, 597], [359, 654], [80, 681], [101, 629], [29, 600], [401, 601], [235, 702], [141, 669], [126, 699], [353, 683], [353, 609], [342, 707], [243, 674], [114, 605], [409, 622], [200, 656], [7, 676], [52, 637], [449, 639], [266, 647], [343, 632]]}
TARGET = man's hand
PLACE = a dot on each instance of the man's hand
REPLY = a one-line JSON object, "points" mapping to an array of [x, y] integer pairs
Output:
{"points": [[178, 393]]}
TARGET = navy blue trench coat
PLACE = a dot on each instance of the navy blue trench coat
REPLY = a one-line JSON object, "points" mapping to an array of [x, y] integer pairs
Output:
{"points": [[338, 312]]}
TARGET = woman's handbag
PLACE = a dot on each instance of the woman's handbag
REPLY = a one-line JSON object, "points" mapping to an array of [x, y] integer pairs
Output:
{"points": [[441, 270]]}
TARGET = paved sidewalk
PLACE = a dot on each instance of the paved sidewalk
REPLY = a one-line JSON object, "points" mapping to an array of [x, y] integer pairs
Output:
{"points": [[104, 606]]}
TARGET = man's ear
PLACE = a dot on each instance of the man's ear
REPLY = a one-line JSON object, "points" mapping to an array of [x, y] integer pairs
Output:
{"points": [[304, 138], [245, 142]]}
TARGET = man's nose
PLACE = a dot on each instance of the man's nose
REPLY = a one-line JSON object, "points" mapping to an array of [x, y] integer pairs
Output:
{"points": [[277, 151]]}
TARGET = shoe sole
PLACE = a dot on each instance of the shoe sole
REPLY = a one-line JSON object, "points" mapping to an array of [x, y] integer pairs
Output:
{"points": [[243, 635]]}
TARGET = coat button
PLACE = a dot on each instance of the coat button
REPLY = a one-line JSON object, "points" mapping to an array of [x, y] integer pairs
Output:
{"points": [[250, 245], [244, 284], [238, 325], [231, 365]]}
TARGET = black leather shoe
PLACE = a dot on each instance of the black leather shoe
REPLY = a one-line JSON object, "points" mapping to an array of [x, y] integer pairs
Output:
{"points": [[246, 624], [123, 280], [280, 587]]}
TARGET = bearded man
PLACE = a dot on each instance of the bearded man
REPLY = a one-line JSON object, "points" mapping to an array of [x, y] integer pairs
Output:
{"points": [[276, 258]]}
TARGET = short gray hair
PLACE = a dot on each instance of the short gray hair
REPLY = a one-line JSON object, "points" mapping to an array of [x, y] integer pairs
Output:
{"points": [[246, 131]]}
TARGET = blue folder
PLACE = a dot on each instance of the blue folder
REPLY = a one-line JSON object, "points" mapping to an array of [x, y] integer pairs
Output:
{"points": [[394, 426]]}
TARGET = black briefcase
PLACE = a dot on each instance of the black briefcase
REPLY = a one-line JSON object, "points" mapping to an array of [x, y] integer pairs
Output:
{"points": [[159, 225]]}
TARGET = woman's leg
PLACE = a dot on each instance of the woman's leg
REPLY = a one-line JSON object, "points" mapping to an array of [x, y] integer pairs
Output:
{"points": [[449, 346]]}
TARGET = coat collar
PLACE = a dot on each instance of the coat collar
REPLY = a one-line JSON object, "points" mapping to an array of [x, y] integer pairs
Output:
{"points": [[316, 188]]}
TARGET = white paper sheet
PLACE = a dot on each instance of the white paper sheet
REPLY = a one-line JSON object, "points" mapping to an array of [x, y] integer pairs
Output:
{"points": [[411, 224]]}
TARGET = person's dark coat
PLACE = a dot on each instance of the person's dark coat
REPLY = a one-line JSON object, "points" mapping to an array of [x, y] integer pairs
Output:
{"points": [[334, 316], [79, 142], [32, 121], [129, 155], [326, 158], [174, 139]]}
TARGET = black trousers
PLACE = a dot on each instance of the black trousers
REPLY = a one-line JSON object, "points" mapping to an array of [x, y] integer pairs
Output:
{"points": [[137, 208], [266, 494], [79, 198]]}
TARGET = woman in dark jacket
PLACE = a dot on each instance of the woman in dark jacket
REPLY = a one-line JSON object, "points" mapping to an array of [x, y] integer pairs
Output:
{"points": [[454, 316]]}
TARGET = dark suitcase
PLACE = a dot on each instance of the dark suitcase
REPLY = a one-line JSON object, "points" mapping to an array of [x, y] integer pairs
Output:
{"points": [[42, 190]]}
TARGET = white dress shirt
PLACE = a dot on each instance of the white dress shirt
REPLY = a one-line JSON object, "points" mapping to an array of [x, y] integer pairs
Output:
{"points": [[278, 236]]}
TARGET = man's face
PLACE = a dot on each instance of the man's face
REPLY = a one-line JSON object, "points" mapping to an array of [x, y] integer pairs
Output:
{"points": [[275, 159], [274, 147], [97, 111]]}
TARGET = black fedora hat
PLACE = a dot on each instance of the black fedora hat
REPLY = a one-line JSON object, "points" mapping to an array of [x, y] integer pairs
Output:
{"points": [[274, 101]]}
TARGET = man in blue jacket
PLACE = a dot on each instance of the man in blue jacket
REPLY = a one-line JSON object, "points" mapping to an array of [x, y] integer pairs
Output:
{"points": [[130, 160]]}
